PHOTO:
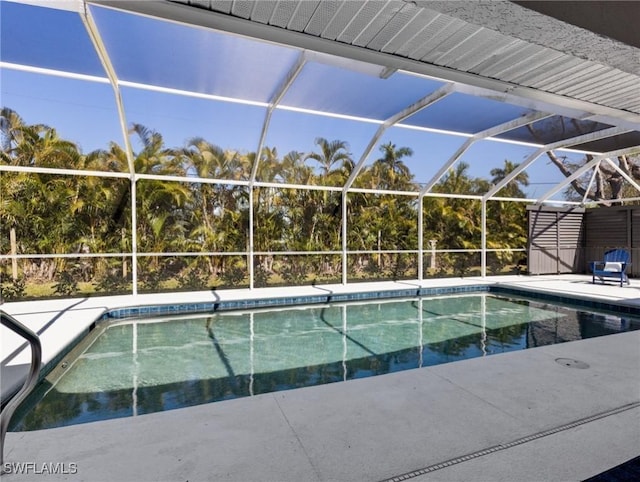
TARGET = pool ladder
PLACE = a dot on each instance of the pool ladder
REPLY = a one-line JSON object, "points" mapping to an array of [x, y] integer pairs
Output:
{"points": [[36, 359]]}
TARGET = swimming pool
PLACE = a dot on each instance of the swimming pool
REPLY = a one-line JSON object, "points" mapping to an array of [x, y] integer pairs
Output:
{"points": [[137, 366]]}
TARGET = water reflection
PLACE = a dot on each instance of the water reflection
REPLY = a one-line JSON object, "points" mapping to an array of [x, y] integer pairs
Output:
{"points": [[139, 367]]}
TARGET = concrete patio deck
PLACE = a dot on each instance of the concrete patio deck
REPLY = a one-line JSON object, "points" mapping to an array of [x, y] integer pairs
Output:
{"points": [[514, 416]]}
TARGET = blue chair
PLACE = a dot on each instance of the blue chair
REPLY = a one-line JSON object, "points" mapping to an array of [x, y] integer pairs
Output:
{"points": [[614, 265]]}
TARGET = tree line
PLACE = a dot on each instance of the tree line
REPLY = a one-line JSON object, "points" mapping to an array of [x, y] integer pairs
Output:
{"points": [[43, 213]]}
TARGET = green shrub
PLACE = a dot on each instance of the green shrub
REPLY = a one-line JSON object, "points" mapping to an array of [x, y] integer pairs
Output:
{"points": [[67, 283], [112, 282], [294, 271], [233, 276], [11, 289], [193, 278]]}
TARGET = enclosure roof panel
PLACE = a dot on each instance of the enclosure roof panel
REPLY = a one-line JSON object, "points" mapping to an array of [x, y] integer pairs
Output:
{"points": [[613, 143], [553, 129], [27, 41], [150, 51], [467, 114], [352, 91]]}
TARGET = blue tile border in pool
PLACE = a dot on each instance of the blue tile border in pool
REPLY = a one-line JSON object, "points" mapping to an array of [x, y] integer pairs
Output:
{"points": [[147, 311], [210, 307]]}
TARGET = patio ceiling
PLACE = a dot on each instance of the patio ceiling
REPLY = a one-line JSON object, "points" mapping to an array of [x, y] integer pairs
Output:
{"points": [[390, 63]]}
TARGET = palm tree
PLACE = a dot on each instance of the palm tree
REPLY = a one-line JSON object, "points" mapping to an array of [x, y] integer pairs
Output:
{"points": [[294, 170], [34, 145], [513, 188], [11, 127], [154, 158], [391, 170], [507, 221], [205, 160], [162, 219], [331, 153], [29, 199], [456, 180], [454, 222], [323, 208]]}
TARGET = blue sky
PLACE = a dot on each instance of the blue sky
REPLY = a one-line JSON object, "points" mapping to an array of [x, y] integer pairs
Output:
{"points": [[85, 112]]}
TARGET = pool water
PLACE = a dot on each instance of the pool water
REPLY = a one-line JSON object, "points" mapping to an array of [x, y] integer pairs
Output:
{"points": [[135, 367]]}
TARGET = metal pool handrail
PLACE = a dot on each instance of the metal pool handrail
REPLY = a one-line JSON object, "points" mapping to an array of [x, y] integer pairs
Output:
{"points": [[36, 359]]}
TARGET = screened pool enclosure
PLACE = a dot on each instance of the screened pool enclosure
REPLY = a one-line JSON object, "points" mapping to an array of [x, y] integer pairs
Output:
{"points": [[162, 145]]}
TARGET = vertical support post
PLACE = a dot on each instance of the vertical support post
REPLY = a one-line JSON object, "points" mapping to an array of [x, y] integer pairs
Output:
{"points": [[344, 237], [134, 236], [250, 250], [420, 238], [483, 251]]}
